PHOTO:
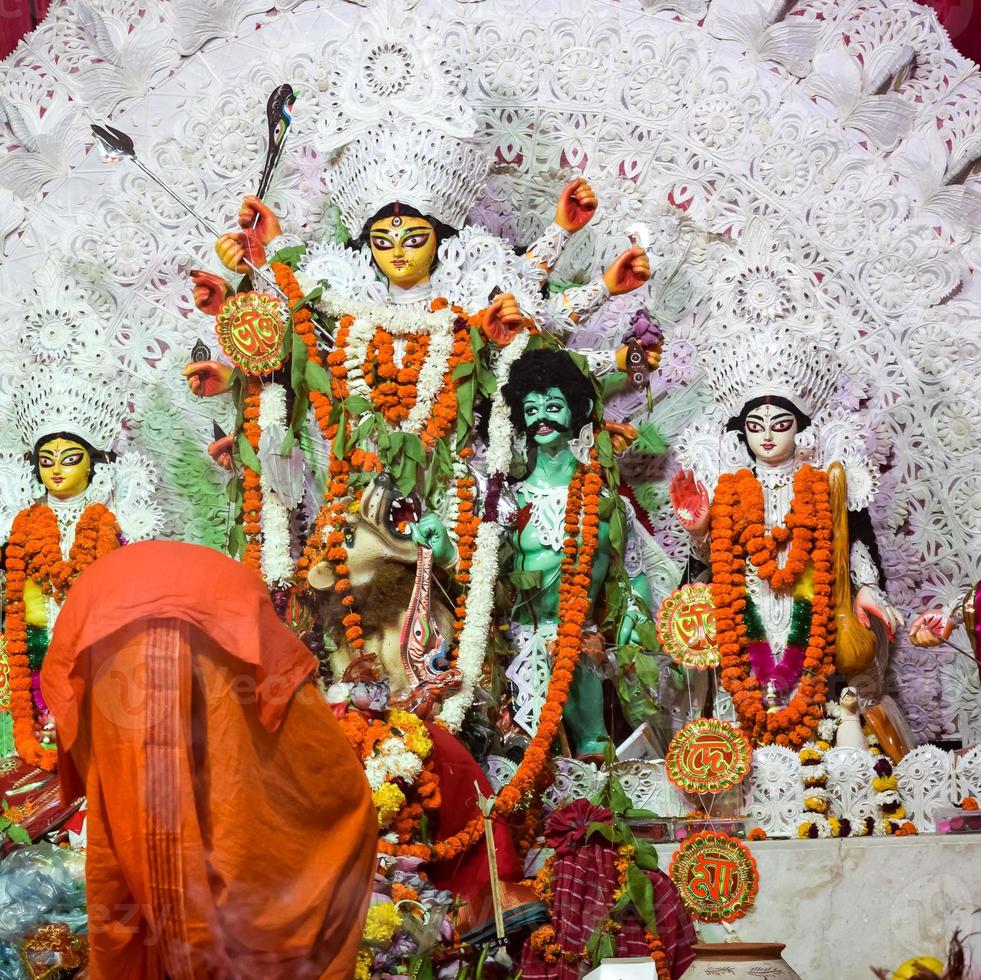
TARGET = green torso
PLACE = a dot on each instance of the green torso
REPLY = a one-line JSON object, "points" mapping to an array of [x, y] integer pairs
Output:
{"points": [[538, 547]]}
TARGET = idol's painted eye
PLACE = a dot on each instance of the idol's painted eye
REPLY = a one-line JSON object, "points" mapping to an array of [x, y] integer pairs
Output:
{"points": [[382, 244], [72, 460], [416, 241], [45, 462], [753, 426], [782, 425], [554, 407]]}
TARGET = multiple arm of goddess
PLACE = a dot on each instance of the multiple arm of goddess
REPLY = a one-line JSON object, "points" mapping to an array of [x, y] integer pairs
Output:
{"points": [[260, 229], [408, 262]]}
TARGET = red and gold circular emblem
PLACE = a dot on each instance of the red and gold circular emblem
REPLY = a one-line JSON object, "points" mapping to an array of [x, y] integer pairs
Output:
{"points": [[708, 756], [716, 875], [686, 627], [251, 328]]}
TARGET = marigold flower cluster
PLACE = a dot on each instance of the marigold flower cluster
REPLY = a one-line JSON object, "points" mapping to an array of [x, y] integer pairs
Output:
{"points": [[34, 552], [406, 784], [738, 537]]}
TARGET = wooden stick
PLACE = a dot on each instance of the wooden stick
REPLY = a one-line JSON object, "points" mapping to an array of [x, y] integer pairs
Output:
{"points": [[486, 804]]}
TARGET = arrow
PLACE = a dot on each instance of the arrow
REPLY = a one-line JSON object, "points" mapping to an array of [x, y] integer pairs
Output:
{"points": [[117, 145]]}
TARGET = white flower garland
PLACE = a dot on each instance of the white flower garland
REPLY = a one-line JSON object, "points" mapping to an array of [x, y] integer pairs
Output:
{"points": [[500, 432], [367, 318], [484, 568], [275, 561], [815, 777], [392, 760], [431, 377], [476, 625]]}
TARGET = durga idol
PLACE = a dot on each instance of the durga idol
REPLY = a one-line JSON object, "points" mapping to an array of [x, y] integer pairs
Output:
{"points": [[420, 307], [793, 562]]}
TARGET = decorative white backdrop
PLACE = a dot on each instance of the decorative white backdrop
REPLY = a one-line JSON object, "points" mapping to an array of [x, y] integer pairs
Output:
{"points": [[823, 157]]}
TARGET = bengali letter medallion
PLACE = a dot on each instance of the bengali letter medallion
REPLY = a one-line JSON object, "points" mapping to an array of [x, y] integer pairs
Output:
{"points": [[716, 876], [686, 627], [251, 328], [708, 756]]}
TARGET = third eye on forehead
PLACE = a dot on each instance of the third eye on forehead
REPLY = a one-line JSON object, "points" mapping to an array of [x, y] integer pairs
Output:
{"points": [[771, 417], [60, 453], [401, 234]]}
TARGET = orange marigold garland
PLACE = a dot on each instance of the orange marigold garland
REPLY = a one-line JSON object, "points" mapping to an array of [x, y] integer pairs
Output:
{"points": [[251, 486], [579, 548], [385, 746], [543, 939], [737, 536], [34, 552], [583, 499], [393, 388], [467, 523], [393, 394]]}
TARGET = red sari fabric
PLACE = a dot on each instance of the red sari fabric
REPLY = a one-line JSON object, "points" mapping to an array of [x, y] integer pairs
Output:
{"points": [[469, 875], [231, 832]]}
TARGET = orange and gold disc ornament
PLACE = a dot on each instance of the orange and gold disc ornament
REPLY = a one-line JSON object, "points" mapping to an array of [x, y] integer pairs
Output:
{"points": [[250, 329], [708, 756], [686, 627], [716, 876]]}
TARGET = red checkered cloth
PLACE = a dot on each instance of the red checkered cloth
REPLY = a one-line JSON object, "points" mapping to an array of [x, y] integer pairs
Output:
{"points": [[584, 879]]}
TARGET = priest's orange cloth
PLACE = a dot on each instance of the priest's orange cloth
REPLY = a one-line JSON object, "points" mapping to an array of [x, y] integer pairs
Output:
{"points": [[231, 832]]}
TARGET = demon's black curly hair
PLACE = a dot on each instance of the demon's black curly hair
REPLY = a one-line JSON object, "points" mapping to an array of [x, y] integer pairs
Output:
{"points": [[96, 456], [539, 370]]}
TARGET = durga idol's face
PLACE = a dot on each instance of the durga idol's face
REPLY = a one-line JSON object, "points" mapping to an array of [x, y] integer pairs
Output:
{"points": [[65, 467], [771, 434], [404, 248]]}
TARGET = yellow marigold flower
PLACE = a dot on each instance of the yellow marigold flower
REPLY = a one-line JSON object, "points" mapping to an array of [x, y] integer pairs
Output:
{"points": [[383, 921], [388, 800], [816, 804], [882, 783], [823, 746], [362, 969], [809, 755], [414, 732], [419, 743], [804, 830]]}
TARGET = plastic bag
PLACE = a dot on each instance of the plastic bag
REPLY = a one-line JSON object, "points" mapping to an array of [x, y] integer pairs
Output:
{"points": [[38, 884]]}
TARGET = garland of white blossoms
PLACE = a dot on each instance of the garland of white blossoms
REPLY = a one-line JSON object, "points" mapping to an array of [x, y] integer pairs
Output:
{"points": [[816, 820], [484, 568], [368, 317], [275, 560]]}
